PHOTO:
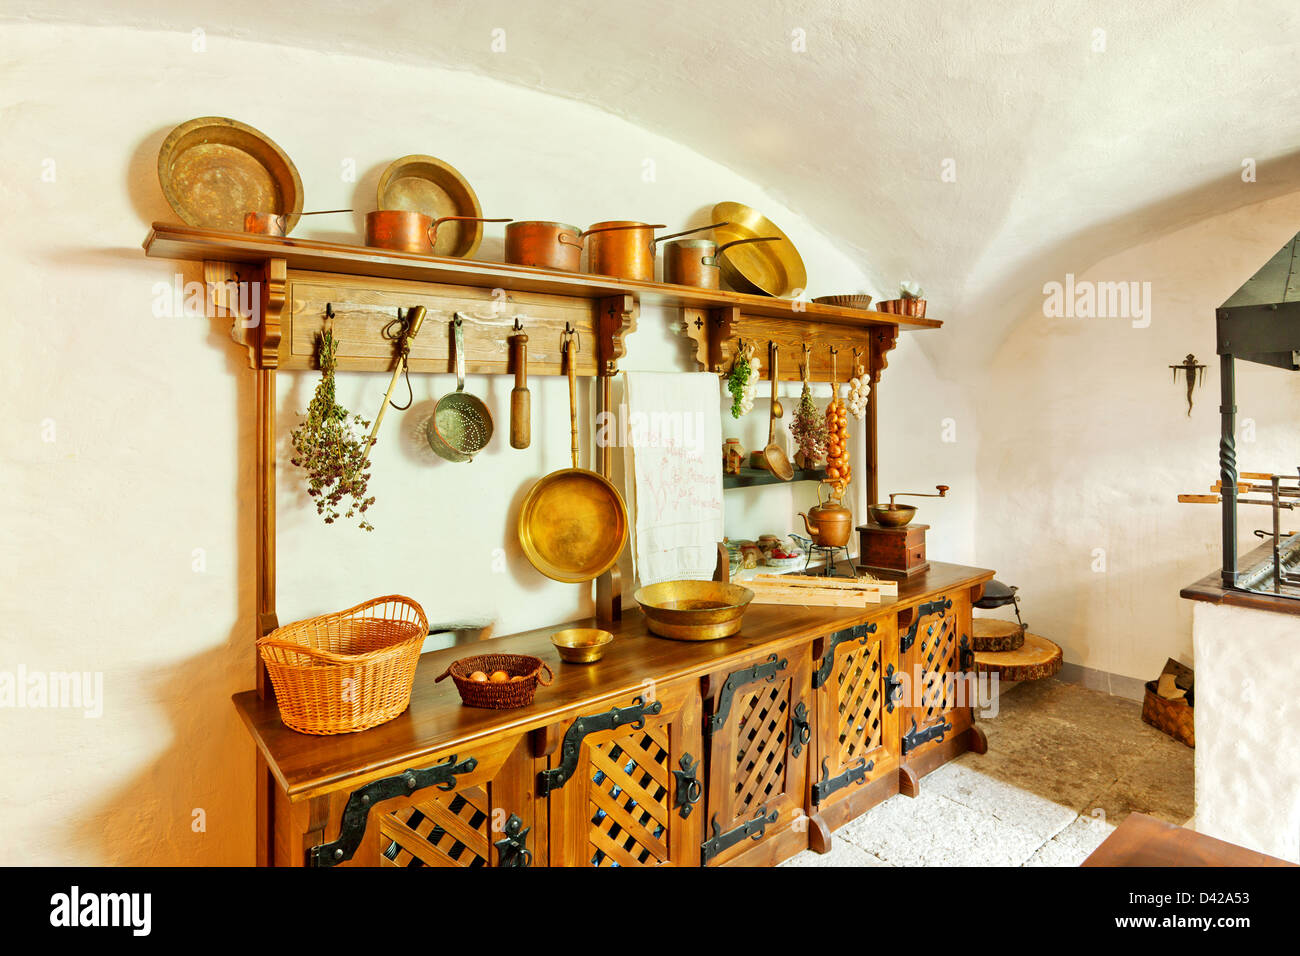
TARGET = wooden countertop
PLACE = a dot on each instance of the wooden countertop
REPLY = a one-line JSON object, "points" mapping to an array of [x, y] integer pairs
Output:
{"points": [[1145, 841], [1210, 588], [436, 722]]}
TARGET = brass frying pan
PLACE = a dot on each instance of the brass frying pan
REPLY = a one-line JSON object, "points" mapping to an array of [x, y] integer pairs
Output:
{"points": [[573, 524], [762, 268]]}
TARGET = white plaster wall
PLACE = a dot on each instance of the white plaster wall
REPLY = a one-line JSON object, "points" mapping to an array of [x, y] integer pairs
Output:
{"points": [[148, 471], [1247, 763], [1085, 444]]}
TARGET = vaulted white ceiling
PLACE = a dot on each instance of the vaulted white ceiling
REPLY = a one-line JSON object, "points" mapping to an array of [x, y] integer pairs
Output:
{"points": [[1071, 129]]}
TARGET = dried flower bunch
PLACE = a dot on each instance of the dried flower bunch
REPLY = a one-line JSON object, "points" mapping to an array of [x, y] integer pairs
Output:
{"points": [[809, 430], [331, 446]]}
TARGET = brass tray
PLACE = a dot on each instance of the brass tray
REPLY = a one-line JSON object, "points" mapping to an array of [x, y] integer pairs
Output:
{"points": [[573, 525], [428, 185], [215, 170], [693, 610], [762, 268]]}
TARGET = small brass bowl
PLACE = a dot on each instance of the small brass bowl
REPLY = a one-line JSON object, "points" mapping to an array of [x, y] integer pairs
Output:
{"points": [[892, 516], [581, 645]]}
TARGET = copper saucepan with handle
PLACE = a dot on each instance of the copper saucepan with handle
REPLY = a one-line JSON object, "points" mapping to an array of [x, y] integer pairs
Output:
{"points": [[694, 262], [626, 250], [548, 245], [403, 230]]}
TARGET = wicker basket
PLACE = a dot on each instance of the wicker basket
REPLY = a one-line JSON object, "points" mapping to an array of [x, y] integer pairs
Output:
{"points": [[346, 671], [504, 695], [1174, 717]]}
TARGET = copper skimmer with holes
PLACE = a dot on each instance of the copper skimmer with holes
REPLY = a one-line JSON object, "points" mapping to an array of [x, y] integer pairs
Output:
{"points": [[573, 524]]}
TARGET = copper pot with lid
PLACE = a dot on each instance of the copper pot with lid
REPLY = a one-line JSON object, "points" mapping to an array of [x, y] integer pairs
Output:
{"points": [[694, 262], [830, 523], [626, 249]]}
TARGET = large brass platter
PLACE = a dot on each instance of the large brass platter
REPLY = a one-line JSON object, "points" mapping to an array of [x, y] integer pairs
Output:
{"points": [[693, 610], [215, 170], [428, 185], [762, 268], [573, 525]]}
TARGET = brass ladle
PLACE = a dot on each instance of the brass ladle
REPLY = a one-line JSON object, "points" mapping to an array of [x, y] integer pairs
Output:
{"points": [[774, 456]]}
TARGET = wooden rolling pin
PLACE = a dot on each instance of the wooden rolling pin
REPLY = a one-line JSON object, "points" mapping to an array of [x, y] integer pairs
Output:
{"points": [[520, 401]]}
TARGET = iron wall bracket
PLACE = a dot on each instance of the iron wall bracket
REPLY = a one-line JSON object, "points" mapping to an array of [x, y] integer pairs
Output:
{"points": [[751, 830], [512, 849], [689, 790], [548, 781], [859, 633], [356, 812], [857, 773], [737, 679], [915, 738], [939, 607]]}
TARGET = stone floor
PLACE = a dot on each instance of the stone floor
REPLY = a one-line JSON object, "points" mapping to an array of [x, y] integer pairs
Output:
{"points": [[1065, 766]]}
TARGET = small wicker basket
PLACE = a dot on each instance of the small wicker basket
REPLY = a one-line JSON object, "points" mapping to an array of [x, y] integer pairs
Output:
{"points": [[499, 696], [347, 671]]}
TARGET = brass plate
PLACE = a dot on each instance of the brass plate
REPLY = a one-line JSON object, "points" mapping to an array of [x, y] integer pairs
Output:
{"points": [[764, 268], [429, 185], [693, 610], [573, 525], [215, 170], [581, 645]]}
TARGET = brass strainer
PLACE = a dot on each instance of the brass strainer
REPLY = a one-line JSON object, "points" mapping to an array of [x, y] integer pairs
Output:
{"points": [[461, 425]]}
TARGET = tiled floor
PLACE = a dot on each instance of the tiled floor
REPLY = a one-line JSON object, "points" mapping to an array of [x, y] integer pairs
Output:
{"points": [[1065, 766]]}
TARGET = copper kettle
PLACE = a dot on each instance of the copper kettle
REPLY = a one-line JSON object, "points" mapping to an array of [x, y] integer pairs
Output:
{"points": [[830, 523]]}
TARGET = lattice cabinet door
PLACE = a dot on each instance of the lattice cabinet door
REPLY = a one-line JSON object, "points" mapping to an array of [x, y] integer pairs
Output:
{"points": [[933, 648], [484, 818], [625, 782], [759, 725], [858, 691]]}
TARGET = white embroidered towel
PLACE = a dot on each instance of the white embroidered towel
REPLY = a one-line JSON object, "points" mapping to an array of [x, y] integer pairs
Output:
{"points": [[671, 431]]}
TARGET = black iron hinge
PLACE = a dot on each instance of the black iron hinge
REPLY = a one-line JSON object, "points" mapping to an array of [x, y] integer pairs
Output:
{"points": [[922, 611], [512, 849], [893, 686], [966, 654], [800, 729], [356, 812], [915, 738], [548, 781], [737, 679], [859, 633], [750, 830], [857, 773], [689, 790]]}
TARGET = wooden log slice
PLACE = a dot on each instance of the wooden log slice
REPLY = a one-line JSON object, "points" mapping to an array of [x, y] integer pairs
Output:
{"points": [[991, 634], [1035, 659]]}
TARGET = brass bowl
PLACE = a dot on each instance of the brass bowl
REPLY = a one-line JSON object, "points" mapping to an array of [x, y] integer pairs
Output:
{"points": [[892, 516], [435, 188], [693, 610], [581, 645]]}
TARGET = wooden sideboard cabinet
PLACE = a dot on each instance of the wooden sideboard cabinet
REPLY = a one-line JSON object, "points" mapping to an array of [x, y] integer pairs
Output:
{"points": [[759, 724], [625, 782]]}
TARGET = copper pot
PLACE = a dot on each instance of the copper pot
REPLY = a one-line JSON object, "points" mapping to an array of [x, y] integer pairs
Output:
{"points": [[694, 262], [626, 250], [277, 224], [549, 245], [405, 231]]}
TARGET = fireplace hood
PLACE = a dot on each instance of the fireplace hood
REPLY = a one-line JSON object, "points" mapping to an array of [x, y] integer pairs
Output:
{"points": [[1260, 322]]}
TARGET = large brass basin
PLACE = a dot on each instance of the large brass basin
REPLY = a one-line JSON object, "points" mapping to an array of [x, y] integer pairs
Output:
{"points": [[693, 610]]}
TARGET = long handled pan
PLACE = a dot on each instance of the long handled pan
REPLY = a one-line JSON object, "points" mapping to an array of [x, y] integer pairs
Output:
{"points": [[573, 523]]}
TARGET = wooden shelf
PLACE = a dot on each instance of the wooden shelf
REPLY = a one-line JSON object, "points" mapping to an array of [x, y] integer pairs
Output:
{"points": [[752, 477], [168, 241]]}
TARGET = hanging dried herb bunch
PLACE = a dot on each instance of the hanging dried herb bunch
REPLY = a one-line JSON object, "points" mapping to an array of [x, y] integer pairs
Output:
{"points": [[809, 430], [331, 446], [742, 381]]}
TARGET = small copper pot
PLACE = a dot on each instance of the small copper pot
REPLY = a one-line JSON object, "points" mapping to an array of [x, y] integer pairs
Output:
{"points": [[694, 262], [405, 231], [626, 250], [549, 245]]}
